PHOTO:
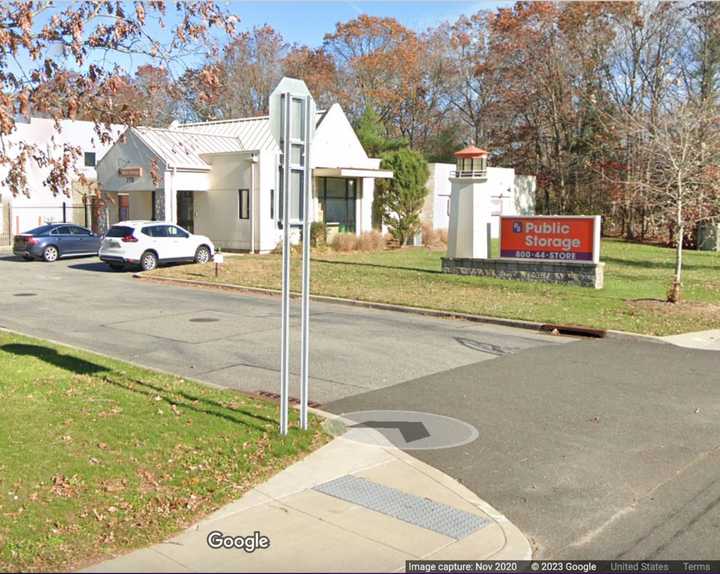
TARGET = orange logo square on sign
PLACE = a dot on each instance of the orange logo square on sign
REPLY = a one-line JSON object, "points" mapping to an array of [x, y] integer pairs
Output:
{"points": [[558, 238]]}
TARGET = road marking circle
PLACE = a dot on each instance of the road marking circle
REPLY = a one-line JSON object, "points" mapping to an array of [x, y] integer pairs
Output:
{"points": [[407, 430]]}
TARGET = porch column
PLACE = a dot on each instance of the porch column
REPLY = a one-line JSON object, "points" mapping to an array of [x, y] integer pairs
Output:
{"points": [[365, 204], [168, 198]]}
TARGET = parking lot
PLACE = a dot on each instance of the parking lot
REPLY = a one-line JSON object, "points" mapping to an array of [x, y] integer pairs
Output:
{"points": [[232, 339]]}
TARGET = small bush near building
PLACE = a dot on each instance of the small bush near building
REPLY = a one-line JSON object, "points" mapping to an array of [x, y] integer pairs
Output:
{"points": [[367, 241], [434, 238], [318, 234], [344, 242], [371, 241]]}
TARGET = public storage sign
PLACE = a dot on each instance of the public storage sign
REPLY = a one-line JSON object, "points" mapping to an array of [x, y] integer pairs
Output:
{"points": [[561, 238]]}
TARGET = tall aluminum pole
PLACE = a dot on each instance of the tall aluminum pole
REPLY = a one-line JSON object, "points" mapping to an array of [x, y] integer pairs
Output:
{"points": [[305, 319], [285, 327]]}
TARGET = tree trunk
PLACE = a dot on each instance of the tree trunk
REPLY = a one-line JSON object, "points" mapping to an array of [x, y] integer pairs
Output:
{"points": [[674, 294], [679, 253]]}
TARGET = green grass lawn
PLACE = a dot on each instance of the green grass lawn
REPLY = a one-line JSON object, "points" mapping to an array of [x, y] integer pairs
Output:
{"points": [[98, 456], [637, 278]]}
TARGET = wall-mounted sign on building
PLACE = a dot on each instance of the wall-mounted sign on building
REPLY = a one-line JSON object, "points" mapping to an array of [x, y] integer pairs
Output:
{"points": [[131, 171], [560, 238]]}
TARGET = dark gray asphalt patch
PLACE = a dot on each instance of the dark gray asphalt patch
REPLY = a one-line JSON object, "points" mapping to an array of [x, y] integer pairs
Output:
{"points": [[24, 294], [575, 439], [204, 320]]}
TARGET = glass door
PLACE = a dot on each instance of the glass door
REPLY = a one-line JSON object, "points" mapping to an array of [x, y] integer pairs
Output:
{"points": [[185, 210], [337, 198]]}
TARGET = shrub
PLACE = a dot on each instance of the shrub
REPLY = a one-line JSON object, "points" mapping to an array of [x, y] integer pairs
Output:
{"points": [[371, 241], [402, 197], [345, 242], [318, 234], [434, 238]]}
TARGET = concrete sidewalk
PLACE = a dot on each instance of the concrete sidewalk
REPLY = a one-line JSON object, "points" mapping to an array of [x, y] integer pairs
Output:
{"points": [[311, 531], [708, 340]]}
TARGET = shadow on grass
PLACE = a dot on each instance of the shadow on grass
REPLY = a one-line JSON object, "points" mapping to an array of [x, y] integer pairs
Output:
{"points": [[65, 362], [190, 402], [378, 265], [650, 264], [150, 390]]}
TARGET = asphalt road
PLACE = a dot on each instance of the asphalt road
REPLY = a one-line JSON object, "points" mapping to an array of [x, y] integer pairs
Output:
{"points": [[597, 449], [233, 339]]}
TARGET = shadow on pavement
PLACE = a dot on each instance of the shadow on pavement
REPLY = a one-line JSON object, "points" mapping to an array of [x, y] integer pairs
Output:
{"points": [[95, 266], [14, 258]]}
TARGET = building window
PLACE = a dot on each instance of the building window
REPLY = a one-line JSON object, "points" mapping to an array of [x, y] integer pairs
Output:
{"points": [[272, 204], [337, 198], [89, 159], [244, 203]]}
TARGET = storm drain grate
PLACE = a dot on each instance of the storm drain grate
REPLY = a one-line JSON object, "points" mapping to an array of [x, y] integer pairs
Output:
{"points": [[409, 508], [276, 397]]}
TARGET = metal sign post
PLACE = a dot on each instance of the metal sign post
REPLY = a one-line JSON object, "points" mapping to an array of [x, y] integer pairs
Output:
{"points": [[305, 320], [292, 121], [285, 323]]}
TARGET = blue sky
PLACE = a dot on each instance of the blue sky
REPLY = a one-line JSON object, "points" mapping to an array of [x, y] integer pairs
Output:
{"points": [[308, 22], [301, 22]]}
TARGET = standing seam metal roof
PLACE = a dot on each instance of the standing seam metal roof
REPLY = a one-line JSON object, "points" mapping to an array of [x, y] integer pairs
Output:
{"points": [[178, 150], [253, 132]]}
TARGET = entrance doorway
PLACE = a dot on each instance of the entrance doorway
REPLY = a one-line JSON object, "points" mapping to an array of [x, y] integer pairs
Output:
{"points": [[123, 207], [337, 198], [185, 210]]}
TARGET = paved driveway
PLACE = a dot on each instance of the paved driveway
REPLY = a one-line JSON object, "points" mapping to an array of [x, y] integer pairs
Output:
{"points": [[596, 449], [232, 339]]}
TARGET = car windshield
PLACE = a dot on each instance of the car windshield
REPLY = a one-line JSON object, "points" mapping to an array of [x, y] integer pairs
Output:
{"points": [[42, 230], [119, 231]]}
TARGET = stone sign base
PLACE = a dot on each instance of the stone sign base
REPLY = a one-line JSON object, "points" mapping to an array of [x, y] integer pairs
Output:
{"points": [[582, 273]]}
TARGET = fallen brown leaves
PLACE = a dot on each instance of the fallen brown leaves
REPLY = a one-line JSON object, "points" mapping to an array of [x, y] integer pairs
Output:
{"points": [[64, 486]]}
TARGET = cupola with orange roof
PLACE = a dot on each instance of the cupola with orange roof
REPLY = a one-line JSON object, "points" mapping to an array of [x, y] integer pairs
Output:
{"points": [[471, 162]]}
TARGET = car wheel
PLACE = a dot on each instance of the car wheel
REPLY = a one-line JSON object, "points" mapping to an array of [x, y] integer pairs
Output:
{"points": [[50, 253], [202, 255], [116, 266], [148, 261]]}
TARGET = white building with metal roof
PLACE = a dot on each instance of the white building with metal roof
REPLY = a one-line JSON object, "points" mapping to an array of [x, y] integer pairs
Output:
{"points": [[220, 178], [39, 205]]}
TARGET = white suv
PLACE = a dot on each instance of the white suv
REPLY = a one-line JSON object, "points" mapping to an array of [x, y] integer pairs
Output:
{"points": [[149, 243]]}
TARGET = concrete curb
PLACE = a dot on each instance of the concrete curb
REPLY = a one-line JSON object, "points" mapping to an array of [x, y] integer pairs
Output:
{"points": [[515, 323], [288, 510], [517, 546]]}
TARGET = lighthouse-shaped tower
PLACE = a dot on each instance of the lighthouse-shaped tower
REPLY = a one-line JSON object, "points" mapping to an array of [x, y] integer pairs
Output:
{"points": [[468, 235]]}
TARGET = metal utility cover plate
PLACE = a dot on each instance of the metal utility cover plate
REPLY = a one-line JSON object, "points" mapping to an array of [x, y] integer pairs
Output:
{"points": [[409, 508]]}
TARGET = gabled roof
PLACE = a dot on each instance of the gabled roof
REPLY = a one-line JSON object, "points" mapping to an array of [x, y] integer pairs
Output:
{"points": [[183, 145], [254, 132], [183, 149]]}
